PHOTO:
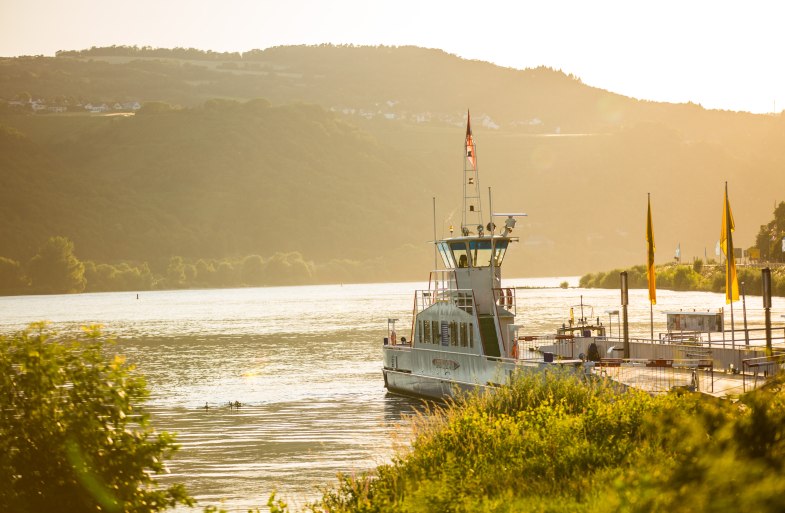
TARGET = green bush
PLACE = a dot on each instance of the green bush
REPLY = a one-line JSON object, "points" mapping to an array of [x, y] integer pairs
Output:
{"points": [[551, 442], [73, 437]]}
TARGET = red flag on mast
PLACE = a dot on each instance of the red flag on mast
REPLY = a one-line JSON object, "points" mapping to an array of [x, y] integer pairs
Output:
{"points": [[470, 148]]}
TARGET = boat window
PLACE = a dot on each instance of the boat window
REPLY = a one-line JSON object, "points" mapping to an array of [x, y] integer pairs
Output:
{"points": [[464, 338], [444, 251], [480, 252], [453, 333], [419, 332], [460, 254], [426, 328], [435, 333], [501, 248], [471, 335]]}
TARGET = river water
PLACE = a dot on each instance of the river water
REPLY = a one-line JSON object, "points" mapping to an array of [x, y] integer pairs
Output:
{"points": [[304, 362]]}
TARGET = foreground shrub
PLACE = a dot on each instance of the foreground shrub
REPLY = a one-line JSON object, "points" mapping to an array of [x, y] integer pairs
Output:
{"points": [[72, 435], [551, 442]]}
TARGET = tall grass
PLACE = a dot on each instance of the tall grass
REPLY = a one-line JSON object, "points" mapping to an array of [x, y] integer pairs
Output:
{"points": [[554, 442]]}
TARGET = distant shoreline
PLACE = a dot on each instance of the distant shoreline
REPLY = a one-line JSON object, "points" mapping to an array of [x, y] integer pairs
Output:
{"points": [[698, 277]]}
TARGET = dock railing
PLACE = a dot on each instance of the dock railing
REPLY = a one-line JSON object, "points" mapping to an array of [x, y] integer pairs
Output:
{"points": [[725, 356], [729, 338], [762, 367], [656, 376]]}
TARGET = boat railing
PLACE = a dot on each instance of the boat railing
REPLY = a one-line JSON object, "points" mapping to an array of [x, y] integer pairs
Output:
{"points": [[527, 346], [461, 298]]}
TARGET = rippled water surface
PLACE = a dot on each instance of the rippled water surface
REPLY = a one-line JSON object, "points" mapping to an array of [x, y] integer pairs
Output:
{"points": [[305, 362]]}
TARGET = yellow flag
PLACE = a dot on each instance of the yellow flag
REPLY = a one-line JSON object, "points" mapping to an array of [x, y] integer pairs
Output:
{"points": [[650, 271], [726, 243], [572, 317]]}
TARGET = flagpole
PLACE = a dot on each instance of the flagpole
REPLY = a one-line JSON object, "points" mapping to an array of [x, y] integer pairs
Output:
{"points": [[651, 272], [728, 256], [435, 254]]}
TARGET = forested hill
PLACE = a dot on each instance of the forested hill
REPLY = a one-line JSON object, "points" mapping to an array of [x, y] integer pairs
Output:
{"points": [[342, 158], [224, 179], [409, 82]]}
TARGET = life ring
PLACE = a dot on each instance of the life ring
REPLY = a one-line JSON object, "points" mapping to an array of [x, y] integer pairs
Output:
{"points": [[503, 298], [515, 350], [508, 298]]}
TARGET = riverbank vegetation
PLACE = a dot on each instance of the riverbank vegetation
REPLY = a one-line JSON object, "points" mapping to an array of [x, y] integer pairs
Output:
{"points": [[74, 436], [56, 269], [708, 278], [552, 443]]}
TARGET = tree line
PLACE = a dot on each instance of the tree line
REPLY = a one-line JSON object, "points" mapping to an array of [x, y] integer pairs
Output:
{"points": [[708, 276], [194, 54], [55, 269], [683, 277], [770, 236]]}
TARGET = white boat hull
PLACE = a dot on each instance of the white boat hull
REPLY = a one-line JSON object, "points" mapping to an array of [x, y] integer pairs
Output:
{"points": [[438, 375], [425, 387]]}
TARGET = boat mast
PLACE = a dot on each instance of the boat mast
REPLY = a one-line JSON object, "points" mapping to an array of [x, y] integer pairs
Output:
{"points": [[472, 204], [435, 255]]}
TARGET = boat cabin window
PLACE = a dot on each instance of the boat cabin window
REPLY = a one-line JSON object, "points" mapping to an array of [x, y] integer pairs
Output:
{"points": [[480, 252], [460, 254], [454, 333], [436, 333], [499, 250], [444, 251]]}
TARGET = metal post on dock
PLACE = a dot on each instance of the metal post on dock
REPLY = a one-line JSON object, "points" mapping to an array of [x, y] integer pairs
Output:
{"points": [[611, 313], [744, 306], [766, 286], [624, 302]]}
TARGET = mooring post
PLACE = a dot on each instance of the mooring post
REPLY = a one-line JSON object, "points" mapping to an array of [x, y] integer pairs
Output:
{"points": [[744, 305], [766, 285], [624, 302]]}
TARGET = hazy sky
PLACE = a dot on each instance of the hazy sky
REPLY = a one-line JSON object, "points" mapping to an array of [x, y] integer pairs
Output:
{"points": [[721, 54]]}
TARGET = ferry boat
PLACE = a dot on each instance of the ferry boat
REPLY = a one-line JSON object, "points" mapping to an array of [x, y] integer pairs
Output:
{"points": [[463, 334]]}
